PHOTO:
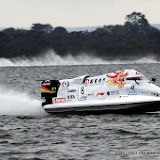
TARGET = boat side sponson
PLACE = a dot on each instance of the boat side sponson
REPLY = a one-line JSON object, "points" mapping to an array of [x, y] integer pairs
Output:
{"points": [[126, 105]]}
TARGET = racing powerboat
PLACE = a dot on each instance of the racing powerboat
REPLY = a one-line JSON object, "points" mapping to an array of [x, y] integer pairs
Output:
{"points": [[126, 91]]}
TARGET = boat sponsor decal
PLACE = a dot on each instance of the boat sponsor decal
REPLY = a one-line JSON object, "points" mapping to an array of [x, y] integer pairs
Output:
{"points": [[133, 87], [132, 92], [108, 93], [115, 92], [65, 84], [141, 92], [53, 88], [78, 80], [117, 78], [72, 90], [155, 94], [103, 80], [99, 94], [86, 82], [45, 89], [83, 98], [139, 74], [91, 94], [91, 81], [60, 100], [70, 96]]}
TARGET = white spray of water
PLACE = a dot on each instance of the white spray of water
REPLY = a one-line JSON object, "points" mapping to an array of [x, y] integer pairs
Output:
{"points": [[19, 104], [51, 58]]}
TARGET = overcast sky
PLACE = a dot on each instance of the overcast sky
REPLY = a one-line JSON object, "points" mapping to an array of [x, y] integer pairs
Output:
{"points": [[74, 13]]}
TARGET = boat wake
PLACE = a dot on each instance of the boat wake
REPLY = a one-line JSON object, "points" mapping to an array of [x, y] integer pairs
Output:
{"points": [[19, 104], [50, 58]]}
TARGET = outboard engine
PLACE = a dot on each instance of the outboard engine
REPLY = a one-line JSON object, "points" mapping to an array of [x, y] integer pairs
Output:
{"points": [[49, 89]]}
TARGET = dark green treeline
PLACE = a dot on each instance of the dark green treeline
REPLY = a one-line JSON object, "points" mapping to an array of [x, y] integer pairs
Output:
{"points": [[136, 38]]}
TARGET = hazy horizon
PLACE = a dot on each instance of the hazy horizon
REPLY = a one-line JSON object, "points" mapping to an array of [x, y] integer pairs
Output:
{"points": [[78, 28], [74, 13]]}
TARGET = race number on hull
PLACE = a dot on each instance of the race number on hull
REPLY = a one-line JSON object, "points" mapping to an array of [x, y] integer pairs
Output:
{"points": [[82, 94]]}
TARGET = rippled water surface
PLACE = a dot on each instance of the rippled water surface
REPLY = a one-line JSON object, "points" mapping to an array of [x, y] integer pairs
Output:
{"points": [[27, 132]]}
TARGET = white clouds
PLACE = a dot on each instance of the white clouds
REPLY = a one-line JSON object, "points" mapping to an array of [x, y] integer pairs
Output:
{"points": [[74, 12]]}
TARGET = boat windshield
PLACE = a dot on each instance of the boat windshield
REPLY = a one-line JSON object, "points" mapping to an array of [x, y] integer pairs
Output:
{"points": [[136, 78]]}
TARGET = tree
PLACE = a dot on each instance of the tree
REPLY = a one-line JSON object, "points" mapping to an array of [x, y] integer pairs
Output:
{"points": [[9, 30], [60, 30], [47, 28], [136, 18]]}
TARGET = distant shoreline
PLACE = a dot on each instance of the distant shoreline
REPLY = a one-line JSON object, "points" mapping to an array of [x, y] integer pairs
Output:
{"points": [[72, 29], [133, 40]]}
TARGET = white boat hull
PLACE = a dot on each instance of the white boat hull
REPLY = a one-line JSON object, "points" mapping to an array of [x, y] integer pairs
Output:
{"points": [[125, 91], [123, 105]]}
